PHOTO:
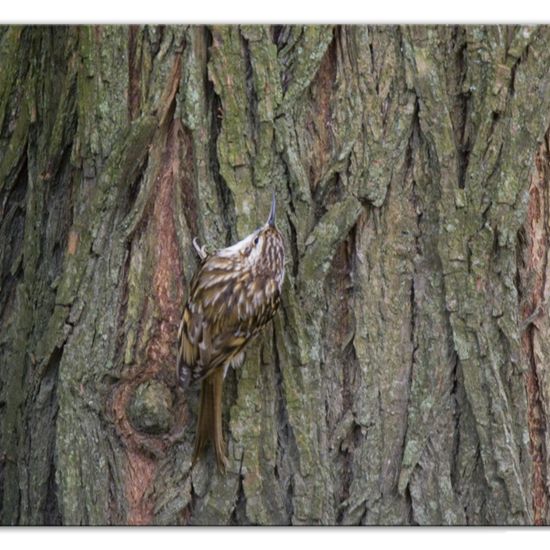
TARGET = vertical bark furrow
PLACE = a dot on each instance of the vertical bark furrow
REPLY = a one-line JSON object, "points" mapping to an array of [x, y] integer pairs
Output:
{"points": [[533, 289]]}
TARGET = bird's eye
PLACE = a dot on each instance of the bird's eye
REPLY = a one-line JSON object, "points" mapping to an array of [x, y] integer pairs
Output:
{"points": [[256, 240]]}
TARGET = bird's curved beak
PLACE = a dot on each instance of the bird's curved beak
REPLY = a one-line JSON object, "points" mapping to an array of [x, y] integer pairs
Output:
{"points": [[271, 219]]}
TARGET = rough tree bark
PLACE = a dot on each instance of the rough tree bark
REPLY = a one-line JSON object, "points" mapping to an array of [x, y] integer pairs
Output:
{"points": [[404, 380]]}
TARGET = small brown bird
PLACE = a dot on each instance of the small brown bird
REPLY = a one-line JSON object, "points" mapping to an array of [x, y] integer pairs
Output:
{"points": [[233, 294]]}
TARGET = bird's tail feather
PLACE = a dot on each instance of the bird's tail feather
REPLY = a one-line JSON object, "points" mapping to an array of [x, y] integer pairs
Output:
{"points": [[209, 425]]}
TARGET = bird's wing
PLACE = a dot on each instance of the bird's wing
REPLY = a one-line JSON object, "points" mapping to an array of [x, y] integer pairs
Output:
{"points": [[226, 308]]}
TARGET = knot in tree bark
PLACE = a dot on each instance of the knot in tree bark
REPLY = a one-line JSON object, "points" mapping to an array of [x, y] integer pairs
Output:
{"points": [[150, 408]]}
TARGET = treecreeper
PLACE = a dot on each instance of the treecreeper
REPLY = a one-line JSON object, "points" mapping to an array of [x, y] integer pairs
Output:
{"points": [[232, 296]]}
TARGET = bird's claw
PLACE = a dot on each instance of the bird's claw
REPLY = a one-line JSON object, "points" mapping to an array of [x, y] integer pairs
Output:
{"points": [[200, 249]]}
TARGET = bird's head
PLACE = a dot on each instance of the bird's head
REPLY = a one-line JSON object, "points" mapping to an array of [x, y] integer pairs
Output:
{"points": [[262, 250]]}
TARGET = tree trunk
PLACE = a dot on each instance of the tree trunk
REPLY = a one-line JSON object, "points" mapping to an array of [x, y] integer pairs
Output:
{"points": [[403, 380]]}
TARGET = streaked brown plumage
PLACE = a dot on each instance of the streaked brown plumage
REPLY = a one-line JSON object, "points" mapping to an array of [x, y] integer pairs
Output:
{"points": [[234, 293]]}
